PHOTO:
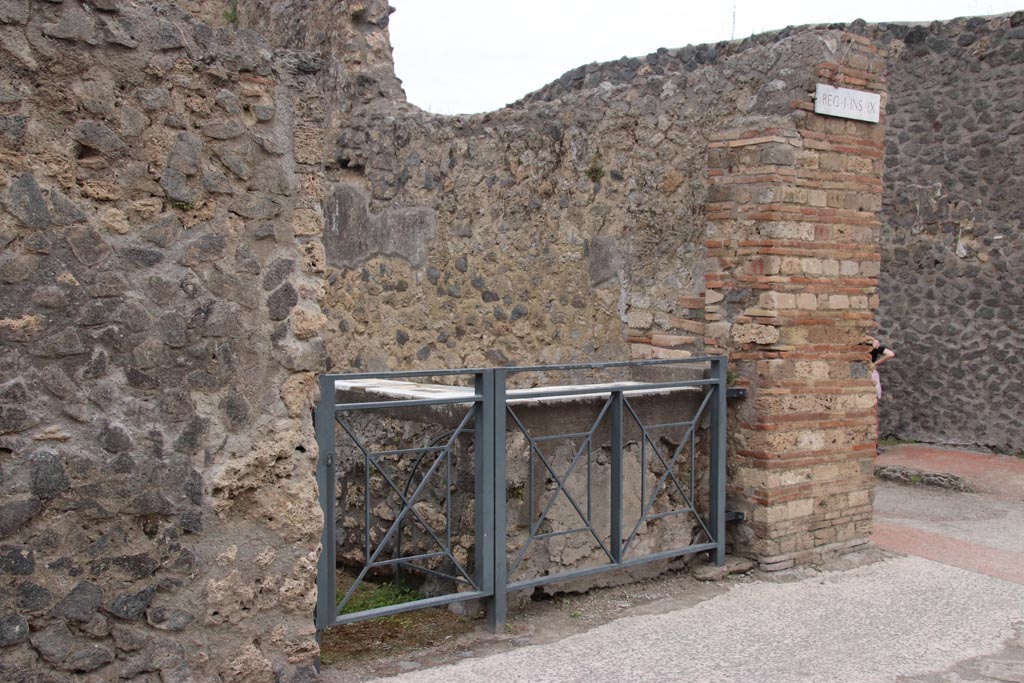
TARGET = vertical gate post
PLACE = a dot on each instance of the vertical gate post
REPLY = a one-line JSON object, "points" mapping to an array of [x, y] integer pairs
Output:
{"points": [[483, 548], [717, 471], [615, 415], [323, 427], [497, 603]]}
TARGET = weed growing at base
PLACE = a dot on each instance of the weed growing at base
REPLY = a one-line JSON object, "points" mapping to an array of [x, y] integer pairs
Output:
{"points": [[372, 596]]}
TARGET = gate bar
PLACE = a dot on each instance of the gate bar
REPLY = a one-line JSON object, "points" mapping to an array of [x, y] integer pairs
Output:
{"points": [[406, 403], [590, 571], [483, 446], [716, 474], [615, 510], [323, 428], [437, 601], [497, 604]]}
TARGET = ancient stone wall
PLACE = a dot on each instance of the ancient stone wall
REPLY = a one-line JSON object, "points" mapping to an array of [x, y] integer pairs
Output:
{"points": [[952, 283], [350, 35], [206, 204], [572, 226], [568, 227], [160, 332]]}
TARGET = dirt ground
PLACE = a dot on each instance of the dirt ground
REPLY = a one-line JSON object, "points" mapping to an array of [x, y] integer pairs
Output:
{"points": [[429, 638]]}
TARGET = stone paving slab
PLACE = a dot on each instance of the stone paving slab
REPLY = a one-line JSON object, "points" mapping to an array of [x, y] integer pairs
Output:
{"points": [[1002, 475], [975, 557], [979, 532]]}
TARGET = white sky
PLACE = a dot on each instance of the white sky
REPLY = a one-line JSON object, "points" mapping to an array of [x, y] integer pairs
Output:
{"points": [[469, 56]]}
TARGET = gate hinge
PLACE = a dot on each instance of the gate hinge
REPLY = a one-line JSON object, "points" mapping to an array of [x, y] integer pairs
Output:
{"points": [[734, 516]]}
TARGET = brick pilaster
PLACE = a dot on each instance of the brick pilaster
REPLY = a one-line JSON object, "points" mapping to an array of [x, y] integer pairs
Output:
{"points": [[791, 286]]}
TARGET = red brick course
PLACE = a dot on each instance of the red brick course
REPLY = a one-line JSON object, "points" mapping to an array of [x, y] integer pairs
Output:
{"points": [[792, 272]]}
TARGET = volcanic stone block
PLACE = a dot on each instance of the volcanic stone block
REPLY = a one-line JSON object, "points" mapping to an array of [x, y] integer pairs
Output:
{"points": [[80, 604], [26, 203], [13, 629]]}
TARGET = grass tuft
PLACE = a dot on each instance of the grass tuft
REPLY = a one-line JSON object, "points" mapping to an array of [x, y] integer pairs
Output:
{"points": [[373, 596]]}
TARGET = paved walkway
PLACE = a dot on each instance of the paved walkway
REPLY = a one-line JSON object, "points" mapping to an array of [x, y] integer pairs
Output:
{"points": [[953, 610], [901, 617], [981, 532], [998, 475]]}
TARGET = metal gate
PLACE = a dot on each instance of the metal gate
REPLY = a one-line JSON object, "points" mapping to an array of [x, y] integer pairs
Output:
{"points": [[484, 413]]}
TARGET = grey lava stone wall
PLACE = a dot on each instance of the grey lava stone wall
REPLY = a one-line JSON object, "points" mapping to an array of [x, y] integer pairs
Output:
{"points": [[160, 189], [952, 281]]}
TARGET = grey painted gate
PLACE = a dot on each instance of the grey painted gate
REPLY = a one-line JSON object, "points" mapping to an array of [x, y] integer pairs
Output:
{"points": [[484, 413]]}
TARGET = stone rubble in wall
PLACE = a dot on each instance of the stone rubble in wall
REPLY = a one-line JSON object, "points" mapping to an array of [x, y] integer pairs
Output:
{"points": [[558, 230], [952, 235], [154, 390]]}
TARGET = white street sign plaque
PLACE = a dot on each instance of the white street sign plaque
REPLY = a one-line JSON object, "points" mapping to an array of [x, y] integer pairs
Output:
{"points": [[846, 103]]}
